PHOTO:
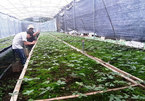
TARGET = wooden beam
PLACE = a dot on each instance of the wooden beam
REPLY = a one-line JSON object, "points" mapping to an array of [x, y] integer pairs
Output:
{"points": [[91, 93]]}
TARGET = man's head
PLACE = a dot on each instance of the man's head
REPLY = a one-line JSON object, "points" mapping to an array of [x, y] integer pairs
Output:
{"points": [[30, 27]]}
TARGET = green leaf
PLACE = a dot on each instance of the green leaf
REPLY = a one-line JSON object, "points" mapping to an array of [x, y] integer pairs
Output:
{"points": [[126, 96], [59, 82], [46, 82], [71, 65], [95, 70], [30, 100], [82, 74], [28, 92], [111, 97], [110, 77], [30, 79], [80, 94], [73, 75], [79, 83]]}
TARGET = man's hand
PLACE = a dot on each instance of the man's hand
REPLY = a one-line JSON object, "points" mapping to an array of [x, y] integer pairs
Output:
{"points": [[29, 43], [34, 42], [36, 33]]}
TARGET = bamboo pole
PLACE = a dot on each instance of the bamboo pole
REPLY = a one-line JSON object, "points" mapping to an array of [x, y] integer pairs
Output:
{"points": [[91, 93]]}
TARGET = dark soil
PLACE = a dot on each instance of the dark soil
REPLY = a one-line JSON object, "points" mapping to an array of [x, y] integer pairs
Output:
{"points": [[8, 81], [7, 85]]}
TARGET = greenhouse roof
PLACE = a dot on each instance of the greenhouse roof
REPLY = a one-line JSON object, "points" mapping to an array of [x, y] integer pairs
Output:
{"points": [[22, 9]]}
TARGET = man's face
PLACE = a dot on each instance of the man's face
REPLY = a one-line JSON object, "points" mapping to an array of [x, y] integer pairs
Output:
{"points": [[31, 29], [28, 36]]}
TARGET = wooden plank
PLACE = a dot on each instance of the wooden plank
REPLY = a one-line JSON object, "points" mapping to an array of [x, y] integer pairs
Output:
{"points": [[91, 93], [19, 82]]}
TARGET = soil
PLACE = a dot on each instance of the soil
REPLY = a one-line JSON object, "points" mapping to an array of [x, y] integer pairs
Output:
{"points": [[8, 81]]}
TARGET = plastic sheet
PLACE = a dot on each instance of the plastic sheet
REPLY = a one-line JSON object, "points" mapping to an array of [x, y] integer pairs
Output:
{"points": [[46, 26], [9, 26]]}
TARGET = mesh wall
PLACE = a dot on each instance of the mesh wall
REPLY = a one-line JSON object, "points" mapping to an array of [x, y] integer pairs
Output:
{"points": [[118, 19]]}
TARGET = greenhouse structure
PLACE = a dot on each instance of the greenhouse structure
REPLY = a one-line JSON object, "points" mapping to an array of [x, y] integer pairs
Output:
{"points": [[73, 50]]}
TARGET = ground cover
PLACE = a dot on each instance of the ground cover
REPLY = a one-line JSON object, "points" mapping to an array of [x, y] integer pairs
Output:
{"points": [[125, 58], [57, 70], [6, 42]]}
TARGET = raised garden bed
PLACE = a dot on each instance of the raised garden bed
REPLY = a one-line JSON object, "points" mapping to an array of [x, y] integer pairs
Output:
{"points": [[126, 58], [56, 70]]}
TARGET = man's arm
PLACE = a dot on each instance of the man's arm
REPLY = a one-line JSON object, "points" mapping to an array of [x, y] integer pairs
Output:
{"points": [[34, 34], [29, 43]]}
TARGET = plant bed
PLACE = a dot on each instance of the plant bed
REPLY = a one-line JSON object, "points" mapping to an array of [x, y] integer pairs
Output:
{"points": [[5, 61], [56, 70], [7, 84], [8, 79], [126, 58], [6, 42]]}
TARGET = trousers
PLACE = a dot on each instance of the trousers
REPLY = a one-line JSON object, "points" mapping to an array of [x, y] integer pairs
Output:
{"points": [[21, 55]]}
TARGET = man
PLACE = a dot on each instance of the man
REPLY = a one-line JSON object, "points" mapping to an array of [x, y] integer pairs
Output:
{"points": [[18, 43], [32, 34]]}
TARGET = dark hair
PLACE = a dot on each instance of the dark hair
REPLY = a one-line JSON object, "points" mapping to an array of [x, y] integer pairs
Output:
{"points": [[30, 32]]}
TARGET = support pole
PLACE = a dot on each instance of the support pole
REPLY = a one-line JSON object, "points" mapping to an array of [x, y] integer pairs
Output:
{"points": [[109, 18], [94, 17], [74, 22], [83, 45], [64, 23]]}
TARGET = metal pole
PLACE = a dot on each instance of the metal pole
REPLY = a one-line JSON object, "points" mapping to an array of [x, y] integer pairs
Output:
{"points": [[83, 45], [94, 17], [74, 23], [0, 29], [9, 33], [83, 24], [14, 26], [109, 18], [64, 24]]}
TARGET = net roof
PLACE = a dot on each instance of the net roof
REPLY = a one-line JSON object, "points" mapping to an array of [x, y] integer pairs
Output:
{"points": [[23, 9]]}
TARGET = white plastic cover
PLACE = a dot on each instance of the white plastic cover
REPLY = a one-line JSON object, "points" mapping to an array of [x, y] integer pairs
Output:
{"points": [[22, 9]]}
